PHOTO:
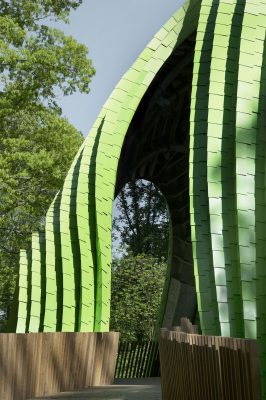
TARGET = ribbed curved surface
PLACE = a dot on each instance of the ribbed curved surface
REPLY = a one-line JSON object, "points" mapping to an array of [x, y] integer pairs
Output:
{"points": [[227, 159], [190, 117], [77, 268]]}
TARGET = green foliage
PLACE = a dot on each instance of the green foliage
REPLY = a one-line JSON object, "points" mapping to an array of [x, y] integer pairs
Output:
{"points": [[27, 13], [137, 285], [38, 62], [141, 227], [35, 154], [142, 224], [37, 145]]}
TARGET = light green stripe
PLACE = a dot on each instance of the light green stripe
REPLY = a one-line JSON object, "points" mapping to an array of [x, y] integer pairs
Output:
{"points": [[87, 231], [35, 311], [23, 293], [246, 132], [67, 211], [215, 159], [50, 316], [199, 210]]}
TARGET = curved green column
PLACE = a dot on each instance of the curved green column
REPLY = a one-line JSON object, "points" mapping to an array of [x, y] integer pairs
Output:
{"points": [[64, 282], [227, 169]]}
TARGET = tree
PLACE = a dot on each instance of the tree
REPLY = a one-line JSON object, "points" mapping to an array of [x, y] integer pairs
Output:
{"points": [[137, 285], [138, 276], [35, 154], [142, 223], [37, 64]]}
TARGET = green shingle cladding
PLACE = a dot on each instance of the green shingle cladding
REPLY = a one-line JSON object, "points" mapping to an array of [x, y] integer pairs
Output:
{"points": [[64, 281]]}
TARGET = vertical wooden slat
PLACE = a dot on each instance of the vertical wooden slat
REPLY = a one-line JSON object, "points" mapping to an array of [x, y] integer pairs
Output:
{"points": [[254, 367], [111, 355], [134, 373], [222, 351], [199, 367], [236, 370], [119, 359], [230, 360], [202, 371], [123, 361], [39, 364], [143, 363], [195, 365], [242, 366], [215, 368], [245, 369], [148, 359], [142, 354], [145, 358], [163, 355], [130, 357], [122, 358], [152, 357], [118, 363]]}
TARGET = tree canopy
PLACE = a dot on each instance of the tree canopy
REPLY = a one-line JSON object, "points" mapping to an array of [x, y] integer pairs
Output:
{"points": [[37, 65], [142, 221], [137, 285], [139, 270], [38, 62]]}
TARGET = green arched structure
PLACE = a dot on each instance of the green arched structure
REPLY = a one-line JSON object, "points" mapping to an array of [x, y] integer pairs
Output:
{"points": [[190, 116]]}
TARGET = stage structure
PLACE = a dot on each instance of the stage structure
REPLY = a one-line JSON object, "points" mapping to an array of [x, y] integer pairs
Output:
{"points": [[190, 116]]}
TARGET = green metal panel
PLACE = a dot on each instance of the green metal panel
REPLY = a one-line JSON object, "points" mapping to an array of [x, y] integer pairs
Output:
{"points": [[86, 224], [228, 78], [220, 163], [70, 253], [24, 286], [53, 268], [199, 206], [38, 285]]}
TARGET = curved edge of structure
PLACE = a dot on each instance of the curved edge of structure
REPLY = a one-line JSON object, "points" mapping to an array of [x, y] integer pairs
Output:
{"points": [[78, 224]]}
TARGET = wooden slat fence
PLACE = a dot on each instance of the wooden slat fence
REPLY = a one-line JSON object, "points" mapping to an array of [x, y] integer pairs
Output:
{"points": [[38, 364], [138, 360], [199, 367]]}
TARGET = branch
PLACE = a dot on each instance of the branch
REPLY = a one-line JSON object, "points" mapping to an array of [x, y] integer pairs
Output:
{"points": [[124, 203], [8, 250], [5, 64]]}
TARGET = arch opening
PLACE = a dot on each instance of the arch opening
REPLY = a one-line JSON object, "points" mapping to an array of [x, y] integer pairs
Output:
{"points": [[140, 245], [156, 148]]}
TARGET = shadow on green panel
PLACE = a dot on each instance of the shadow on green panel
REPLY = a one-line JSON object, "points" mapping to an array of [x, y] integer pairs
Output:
{"points": [[43, 278], [58, 262], [202, 221], [260, 196], [228, 172], [74, 237], [92, 203]]}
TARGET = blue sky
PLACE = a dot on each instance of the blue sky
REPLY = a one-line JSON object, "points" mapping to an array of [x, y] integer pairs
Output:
{"points": [[115, 31]]}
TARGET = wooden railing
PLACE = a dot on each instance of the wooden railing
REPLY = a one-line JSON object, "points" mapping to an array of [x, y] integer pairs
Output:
{"points": [[137, 360], [199, 367], [38, 364]]}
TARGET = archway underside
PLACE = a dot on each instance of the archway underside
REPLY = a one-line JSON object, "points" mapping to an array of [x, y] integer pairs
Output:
{"points": [[156, 148]]}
